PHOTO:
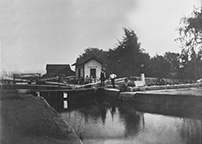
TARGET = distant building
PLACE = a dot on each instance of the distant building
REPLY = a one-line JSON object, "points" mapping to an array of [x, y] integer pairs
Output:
{"points": [[90, 67], [53, 70]]}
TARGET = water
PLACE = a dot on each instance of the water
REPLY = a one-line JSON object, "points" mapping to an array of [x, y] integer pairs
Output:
{"points": [[108, 122]]}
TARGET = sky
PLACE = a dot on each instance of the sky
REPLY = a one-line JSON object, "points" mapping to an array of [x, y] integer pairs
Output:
{"points": [[34, 33]]}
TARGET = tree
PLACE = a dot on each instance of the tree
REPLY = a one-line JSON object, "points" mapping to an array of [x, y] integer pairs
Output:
{"points": [[89, 52], [191, 39], [174, 61], [191, 31], [190, 65], [159, 67], [126, 59]]}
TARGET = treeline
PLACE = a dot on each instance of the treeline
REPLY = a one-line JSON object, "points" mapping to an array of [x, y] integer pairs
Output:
{"points": [[129, 59]]}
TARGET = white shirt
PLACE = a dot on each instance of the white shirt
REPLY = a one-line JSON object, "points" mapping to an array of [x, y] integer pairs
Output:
{"points": [[112, 76]]}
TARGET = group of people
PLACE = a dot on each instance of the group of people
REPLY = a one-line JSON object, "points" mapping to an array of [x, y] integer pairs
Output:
{"points": [[112, 77]]}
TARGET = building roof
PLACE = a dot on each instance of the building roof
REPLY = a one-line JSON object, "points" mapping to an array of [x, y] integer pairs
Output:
{"points": [[85, 60], [57, 68]]}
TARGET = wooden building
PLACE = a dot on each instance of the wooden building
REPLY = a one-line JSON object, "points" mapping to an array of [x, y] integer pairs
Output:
{"points": [[64, 70]]}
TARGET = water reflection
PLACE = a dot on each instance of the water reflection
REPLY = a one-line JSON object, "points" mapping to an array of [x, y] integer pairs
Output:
{"points": [[133, 120], [104, 121], [191, 131]]}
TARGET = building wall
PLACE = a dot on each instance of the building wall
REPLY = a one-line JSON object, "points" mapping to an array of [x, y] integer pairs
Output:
{"points": [[92, 64], [81, 72]]}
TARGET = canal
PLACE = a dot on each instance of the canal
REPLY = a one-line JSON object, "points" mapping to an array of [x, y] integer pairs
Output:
{"points": [[108, 121]]}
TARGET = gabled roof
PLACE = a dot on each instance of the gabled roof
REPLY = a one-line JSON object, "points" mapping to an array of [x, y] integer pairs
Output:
{"points": [[85, 60]]}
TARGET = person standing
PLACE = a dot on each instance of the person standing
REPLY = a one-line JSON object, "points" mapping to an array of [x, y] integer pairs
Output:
{"points": [[113, 76], [102, 77], [87, 79]]}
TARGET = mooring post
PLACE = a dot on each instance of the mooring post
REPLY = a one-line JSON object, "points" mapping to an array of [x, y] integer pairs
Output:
{"points": [[143, 78]]}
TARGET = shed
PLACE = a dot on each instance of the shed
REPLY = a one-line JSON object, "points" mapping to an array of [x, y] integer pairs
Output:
{"points": [[89, 67]]}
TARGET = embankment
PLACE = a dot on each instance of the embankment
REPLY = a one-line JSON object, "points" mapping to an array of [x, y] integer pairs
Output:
{"points": [[26, 119], [187, 101]]}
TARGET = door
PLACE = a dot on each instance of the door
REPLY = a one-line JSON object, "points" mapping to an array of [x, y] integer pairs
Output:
{"points": [[93, 73]]}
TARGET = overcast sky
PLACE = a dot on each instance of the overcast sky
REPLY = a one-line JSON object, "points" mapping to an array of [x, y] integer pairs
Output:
{"points": [[34, 33]]}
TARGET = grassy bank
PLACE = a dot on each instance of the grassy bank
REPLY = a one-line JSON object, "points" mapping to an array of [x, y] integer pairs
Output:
{"points": [[30, 120]]}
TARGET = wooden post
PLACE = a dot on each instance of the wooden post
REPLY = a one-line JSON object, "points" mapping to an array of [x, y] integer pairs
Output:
{"points": [[14, 77]]}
